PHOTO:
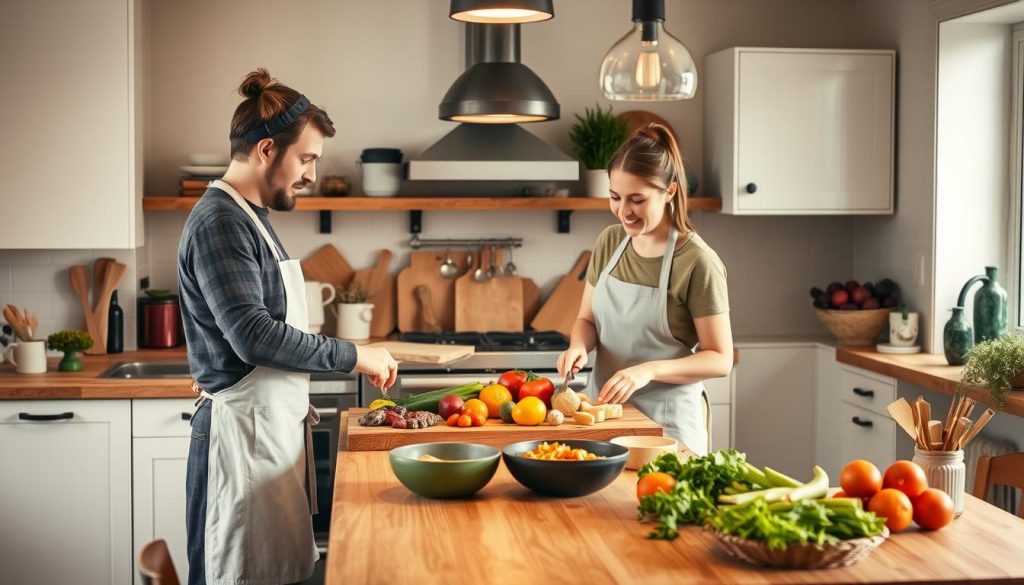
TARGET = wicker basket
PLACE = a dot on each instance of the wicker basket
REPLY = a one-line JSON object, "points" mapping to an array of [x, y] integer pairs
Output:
{"points": [[803, 555], [854, 327]]}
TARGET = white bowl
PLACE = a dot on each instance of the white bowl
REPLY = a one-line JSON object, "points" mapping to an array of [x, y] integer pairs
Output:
{"points": [[645, 448], [209, 160]]}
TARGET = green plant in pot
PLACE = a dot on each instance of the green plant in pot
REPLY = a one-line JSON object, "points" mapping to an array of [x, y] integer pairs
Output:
{"points": [[596, 136], [998, 364], [70, 342], [354, 312]]}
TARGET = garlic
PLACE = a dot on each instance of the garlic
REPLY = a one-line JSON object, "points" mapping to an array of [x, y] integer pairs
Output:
{"points": [[555, 418]]}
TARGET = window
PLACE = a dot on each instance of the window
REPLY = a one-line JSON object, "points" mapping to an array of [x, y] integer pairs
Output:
{"points": [[1017, 178]]}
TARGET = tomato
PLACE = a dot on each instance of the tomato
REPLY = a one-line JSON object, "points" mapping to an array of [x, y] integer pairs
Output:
{"points": [[529, 411], [540, 387], [475, 405], [655, 481], [512, 380], [933, 509], [478, 419], [453, 420], [494, 396], [894, 506], [906, 476], [860, 479], [465, 420]]}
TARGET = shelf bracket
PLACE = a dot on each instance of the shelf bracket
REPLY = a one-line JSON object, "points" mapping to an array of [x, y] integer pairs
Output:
{"points": [[563, 220], [416, 221], [325, 221]]}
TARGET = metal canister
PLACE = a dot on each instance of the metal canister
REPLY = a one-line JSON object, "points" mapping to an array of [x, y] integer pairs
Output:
{"points": [[159, 322]]}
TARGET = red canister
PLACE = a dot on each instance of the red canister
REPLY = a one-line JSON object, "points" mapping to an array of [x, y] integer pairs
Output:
{"points": [[159, 322]]}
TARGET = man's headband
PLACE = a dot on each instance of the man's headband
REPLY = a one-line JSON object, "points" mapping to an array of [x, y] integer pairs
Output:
{"points": [[277, 123]]}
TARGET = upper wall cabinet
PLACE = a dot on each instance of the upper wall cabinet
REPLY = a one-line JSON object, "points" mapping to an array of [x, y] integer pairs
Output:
{"points": [[800, 131], [71, 168]]}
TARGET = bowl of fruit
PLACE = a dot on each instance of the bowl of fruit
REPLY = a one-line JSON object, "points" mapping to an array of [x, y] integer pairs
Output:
{"points": [[565, 468], [855, 313]]}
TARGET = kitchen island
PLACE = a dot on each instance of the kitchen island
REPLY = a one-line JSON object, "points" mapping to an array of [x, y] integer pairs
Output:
{"points": [[383, 533]]}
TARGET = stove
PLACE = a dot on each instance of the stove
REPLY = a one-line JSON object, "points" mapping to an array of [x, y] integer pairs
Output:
{"points": [[496, 341]]}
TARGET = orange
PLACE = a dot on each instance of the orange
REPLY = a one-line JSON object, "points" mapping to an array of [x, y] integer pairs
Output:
{"points": [[494, 396], [906, 476], [656, 481], [529, 411], [860, 479], [894, 506], [476, 405], [933, 509]]}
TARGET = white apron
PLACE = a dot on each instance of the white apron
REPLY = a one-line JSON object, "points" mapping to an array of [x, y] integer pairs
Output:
{"points": [[261, 490], [632, 328]]}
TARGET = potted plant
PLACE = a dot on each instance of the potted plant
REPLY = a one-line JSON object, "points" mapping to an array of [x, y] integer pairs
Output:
{"points": [[70, 342], [998, 364], [353, 312], [596, 136]]}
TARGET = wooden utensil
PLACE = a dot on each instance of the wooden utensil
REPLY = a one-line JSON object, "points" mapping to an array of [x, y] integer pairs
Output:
{"points": [[112, 276], [934, 431], [954, 407], [79, 278], [531, 301], [901, 413], [379, 281], [99, 270], [17, 322], [429, 322], [495, 304], [954, 436], [328, 265], [425, 269], [560, 310], [922, 431], [977, 426]]}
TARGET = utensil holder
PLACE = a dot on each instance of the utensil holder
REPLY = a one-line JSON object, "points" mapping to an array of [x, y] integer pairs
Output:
{"points": [[946, 471]]}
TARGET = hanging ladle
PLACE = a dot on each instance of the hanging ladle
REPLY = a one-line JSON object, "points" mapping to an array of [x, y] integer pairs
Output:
{"points": [[448, 268]]}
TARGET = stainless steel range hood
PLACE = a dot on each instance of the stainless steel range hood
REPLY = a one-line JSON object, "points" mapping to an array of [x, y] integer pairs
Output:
{"points": [[494, 89]]}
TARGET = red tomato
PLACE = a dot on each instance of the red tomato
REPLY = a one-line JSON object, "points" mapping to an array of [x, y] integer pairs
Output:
{"points": [[453, 420], [933, 509], [906, 476], [654, 482], [540, 387], [860, 479], [512, 380], [894, 506], [465, 420], [478, 419]]}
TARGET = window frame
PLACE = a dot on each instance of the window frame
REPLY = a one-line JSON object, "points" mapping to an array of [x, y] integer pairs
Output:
{"points": [[1016, 231]]}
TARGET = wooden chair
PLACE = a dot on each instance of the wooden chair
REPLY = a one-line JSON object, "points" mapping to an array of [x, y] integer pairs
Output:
{"points": [[1000, 470], [155, 564]]}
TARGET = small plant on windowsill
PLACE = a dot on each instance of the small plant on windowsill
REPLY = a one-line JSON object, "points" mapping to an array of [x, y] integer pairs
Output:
{"points": [[998, 364], [70, 342]]}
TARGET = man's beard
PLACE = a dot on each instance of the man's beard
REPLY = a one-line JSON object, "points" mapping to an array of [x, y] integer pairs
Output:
{"points": [[280, 199]]}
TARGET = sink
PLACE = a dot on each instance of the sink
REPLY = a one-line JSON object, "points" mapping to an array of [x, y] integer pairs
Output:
{"points": [[129, 370]]}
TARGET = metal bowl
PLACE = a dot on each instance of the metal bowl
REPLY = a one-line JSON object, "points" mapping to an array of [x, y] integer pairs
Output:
{"points": [[465, 469], [566, 478]]}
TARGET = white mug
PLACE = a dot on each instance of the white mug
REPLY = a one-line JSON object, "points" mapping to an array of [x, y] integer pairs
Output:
{"points": [[28, 357], [902, 332], [316, 301], [381, 179], [353, 320]]}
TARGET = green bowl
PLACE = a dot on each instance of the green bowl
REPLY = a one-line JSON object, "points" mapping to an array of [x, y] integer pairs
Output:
{"points": [[468, 468]]}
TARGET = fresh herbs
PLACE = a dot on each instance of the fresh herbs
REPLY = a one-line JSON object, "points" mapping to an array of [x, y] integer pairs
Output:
{"points": [[824, 521], [995, 363]]}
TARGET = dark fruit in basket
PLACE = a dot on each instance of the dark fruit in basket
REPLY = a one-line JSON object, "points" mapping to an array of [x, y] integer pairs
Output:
{"points": [[869, 285], [851, 285], [449, 405], [871, 303], [833, 287], [890, 301], [848, 307], [840, 297], [816, 292], [860, 294], [884, 288], [824, 300]]}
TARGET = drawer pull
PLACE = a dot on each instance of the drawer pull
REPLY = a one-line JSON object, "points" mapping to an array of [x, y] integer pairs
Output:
{"points": [[864, 393], [862, 423], [186, 416], [46, 417]]}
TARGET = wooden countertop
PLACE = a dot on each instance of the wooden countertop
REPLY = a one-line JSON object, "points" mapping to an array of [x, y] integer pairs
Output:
{"points": [[382, 533], [928, 370], [85, 384]]}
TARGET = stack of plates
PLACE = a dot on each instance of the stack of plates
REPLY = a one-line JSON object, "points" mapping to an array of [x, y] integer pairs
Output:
{"points": [[202, 169]]}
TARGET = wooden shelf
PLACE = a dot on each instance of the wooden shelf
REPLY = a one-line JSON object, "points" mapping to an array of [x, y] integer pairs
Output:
{"points": [[174, 203]]}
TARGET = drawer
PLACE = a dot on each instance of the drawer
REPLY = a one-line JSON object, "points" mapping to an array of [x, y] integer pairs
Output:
{"points": [[867, 390], [719, 390], [865, 434], [162, 417]]}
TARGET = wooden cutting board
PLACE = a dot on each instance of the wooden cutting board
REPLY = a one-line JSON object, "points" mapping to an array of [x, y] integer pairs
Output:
{"points": [[379, 281], [425, 269], [328, 265], [560, 310], [424, 353], [493, 305], [531, 301], [494, 433]]}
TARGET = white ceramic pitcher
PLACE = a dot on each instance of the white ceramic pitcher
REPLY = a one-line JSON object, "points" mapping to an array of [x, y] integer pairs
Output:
{"points": [[316, 300], [353, 320]]}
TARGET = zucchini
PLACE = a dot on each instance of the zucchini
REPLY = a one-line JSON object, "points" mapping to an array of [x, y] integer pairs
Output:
{"points": [[429, 400]]}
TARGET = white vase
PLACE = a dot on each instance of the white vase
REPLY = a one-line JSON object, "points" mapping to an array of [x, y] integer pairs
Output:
{"points": [[596, 182], [353, 320]]}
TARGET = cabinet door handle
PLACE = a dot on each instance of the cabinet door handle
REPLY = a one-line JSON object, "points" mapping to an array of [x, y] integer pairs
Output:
{"points": [[864, 393], [45, 417], [862, 423], [186, 416], [751, 188]]}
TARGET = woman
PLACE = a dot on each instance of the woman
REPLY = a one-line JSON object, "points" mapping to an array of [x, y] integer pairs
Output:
{"points": [[655, 292]]}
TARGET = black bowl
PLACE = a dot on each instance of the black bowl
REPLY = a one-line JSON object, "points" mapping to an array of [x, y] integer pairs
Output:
{"points": [[566, 478], [381, 155]]}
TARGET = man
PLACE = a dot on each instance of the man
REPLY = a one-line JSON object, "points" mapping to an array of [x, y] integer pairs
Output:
{"points": [[250, 489]]}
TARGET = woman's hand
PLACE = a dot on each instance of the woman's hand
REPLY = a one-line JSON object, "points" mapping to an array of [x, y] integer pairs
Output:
{"points": [[624, 383], [573, 359]]}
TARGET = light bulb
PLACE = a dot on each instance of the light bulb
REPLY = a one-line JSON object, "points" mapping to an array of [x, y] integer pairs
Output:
{"points": [[648, 69]]}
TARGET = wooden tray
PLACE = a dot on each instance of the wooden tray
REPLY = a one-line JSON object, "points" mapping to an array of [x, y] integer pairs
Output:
{"points": [[494, 433]]}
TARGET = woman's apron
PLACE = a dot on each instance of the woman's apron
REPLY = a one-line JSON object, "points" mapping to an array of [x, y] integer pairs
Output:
{"points": [[261, 486], [632, 328]]}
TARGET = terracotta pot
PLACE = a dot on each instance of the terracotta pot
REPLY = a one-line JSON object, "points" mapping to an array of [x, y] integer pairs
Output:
{"points": [[1018, 382]]}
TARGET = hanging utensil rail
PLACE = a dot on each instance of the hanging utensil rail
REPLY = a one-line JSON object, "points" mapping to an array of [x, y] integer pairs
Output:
{"points": [[416, 242]]}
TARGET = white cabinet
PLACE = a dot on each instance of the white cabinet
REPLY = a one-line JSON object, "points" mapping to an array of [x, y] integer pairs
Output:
{"points": [[71, 163], [774, 406], [720, 393], [800, 131], [828, 451], [66, 491], [865, 434], [159, 460]]}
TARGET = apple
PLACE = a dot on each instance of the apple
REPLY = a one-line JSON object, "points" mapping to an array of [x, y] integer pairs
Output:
{"points": [[833, 287], [860, 294], [851, 285], [870, 303], [840, 297]]}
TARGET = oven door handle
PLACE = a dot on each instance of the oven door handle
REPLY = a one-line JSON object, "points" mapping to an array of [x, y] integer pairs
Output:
{"points": [[427, 383], [326, 412]]}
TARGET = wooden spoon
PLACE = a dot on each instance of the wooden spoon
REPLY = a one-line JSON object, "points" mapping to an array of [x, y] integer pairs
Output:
{"points": [[79, 277], [99, 272], [904, 416]]}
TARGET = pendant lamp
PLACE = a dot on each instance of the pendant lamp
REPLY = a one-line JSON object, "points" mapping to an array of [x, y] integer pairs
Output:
{"points": [[501, 11]]}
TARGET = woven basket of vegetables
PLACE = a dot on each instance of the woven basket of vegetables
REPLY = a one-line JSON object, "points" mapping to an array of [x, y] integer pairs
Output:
{"points": [[805, 555]]}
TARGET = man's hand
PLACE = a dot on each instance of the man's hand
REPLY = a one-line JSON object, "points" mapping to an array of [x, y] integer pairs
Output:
{"points": [[376, 362]]}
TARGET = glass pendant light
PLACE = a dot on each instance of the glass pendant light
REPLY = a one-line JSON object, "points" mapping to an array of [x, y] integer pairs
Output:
{"points": [[648, 64], [501, 11]]}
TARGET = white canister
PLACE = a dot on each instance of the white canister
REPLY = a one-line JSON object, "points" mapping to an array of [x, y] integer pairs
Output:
{"points": [[28, 357], [354, 320], [381, 179], [945, 470], [902, 332], [597, 183], [316, 300]]}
